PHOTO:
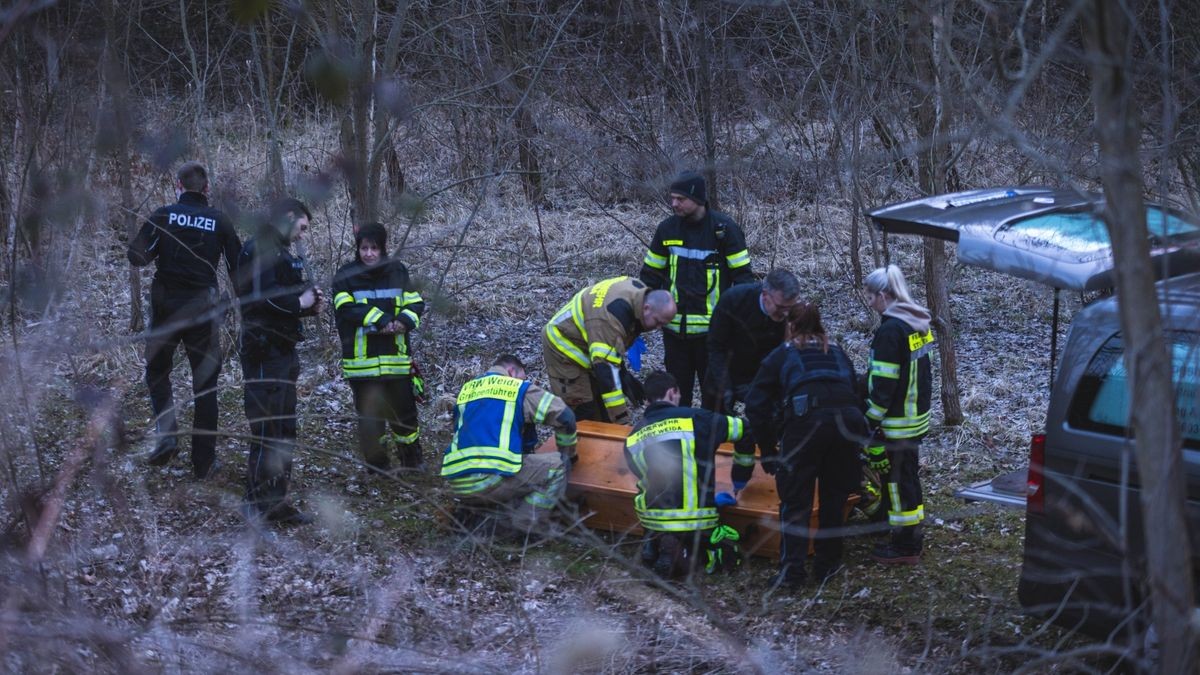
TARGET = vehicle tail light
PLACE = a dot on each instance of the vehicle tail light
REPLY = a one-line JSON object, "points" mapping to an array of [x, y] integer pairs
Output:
{"points": [[1035, 497]]}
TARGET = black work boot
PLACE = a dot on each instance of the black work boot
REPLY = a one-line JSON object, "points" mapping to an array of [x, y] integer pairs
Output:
{"points": [[411, 456], [903, 548], [164, 451]]}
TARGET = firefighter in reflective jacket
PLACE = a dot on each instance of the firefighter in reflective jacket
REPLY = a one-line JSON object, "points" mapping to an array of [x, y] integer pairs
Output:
{"points": [[899, 384], [377, 309], [584, 344], [489, 460], [672, 450], [697, 254], [814, 444]]}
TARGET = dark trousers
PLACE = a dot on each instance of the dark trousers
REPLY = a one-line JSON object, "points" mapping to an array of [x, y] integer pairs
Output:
{"points": [[819, 451], [906, 506], [687, 360], [190, 317], [270, 395], [386, 409]]}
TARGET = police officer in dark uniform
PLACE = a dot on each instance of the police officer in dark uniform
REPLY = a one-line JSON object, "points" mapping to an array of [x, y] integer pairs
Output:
{"points": [[275, 297], [815, 438], [185, 240]]}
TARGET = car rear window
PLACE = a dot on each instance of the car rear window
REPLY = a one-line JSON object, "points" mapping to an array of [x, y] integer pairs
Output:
{"points": [[1083, 232], [1101, 401]]}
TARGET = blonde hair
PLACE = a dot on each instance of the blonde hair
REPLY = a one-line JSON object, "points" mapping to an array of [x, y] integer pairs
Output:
{"points": [[888, 280]]}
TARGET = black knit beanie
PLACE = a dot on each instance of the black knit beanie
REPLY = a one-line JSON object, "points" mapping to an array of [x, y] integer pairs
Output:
{"points": [[691, 185], [376, 232]]}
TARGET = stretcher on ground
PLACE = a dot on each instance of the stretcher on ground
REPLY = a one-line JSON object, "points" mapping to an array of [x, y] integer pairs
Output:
{"points": [[604, 487]]}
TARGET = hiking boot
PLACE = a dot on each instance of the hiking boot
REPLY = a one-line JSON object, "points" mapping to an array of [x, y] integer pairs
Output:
{"points": [[891, 553], [286, 514], [164, 451], [411, 457]]}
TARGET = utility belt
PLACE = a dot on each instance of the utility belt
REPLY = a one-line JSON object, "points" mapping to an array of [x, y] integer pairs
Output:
{"points": [[803, 404]]}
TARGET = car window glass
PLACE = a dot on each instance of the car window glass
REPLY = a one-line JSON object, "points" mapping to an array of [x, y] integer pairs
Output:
{"points": [[1083, 232], [1102, 399]]}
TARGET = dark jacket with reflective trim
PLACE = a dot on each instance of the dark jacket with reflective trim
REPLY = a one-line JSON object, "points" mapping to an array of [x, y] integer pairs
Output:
{"points": [[825, 378], [739, 339], [186, 241], [270, 282], [365, 300], [676, 492], [697, 262], [900, 377]]}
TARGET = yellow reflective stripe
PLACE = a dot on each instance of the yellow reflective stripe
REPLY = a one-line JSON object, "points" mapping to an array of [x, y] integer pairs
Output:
{"points": [[907, 518], [885, 369], [613, 399], [342, 298], [714, 293], [737, 429], [603, 352], [565, 439], [481, 459], [474, 482], [547, 497], [675, 520], [412, 297], [738, 259], [374, 314], [412, 316], [743, 459], [360, 344], [409, 438], [543, 407], [654, 260], [566, 347], [875, 411]]}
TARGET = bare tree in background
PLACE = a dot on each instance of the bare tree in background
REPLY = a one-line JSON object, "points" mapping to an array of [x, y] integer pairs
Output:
{"points": [[934, 113], [1111, 41]]}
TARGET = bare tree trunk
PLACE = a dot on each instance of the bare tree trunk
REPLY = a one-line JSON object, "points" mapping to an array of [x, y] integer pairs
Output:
{"points": [[1160, 466], [933, 123], [113, 79], [266, 90]]}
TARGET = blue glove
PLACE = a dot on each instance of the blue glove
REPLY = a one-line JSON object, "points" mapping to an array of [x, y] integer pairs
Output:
{"points": [[725, 499], [739, 485], [635, 352]]}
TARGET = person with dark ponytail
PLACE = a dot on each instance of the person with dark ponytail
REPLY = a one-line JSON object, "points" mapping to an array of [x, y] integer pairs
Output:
{"points": [[899, 388], [813, 441], [377, 307]]}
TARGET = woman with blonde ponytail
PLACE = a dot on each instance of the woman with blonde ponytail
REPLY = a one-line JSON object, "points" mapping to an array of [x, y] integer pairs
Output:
{"points": [[899, 387], [815, 442]]}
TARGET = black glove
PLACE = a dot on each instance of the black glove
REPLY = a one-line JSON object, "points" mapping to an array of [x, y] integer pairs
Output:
{"points": [[877, 457], [771, 464], [635, 394]]}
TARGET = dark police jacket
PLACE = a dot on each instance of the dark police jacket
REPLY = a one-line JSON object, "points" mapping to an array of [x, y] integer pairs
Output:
{"points": [[270, 282], [795, 384], [740, 337], [186, 240]]}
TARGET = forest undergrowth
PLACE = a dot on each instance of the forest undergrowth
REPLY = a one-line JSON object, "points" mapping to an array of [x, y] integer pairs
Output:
{"points": [[146, 569]]}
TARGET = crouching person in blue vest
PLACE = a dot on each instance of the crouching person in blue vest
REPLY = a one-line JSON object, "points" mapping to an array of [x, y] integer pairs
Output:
{"points": [[489, 461], [672, 450]]}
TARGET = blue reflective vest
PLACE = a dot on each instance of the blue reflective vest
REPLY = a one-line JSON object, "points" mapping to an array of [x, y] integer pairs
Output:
{"points": [[488, 424]]}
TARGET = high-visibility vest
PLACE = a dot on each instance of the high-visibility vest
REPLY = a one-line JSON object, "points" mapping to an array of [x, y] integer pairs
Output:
{"points": [[487, 434]]}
